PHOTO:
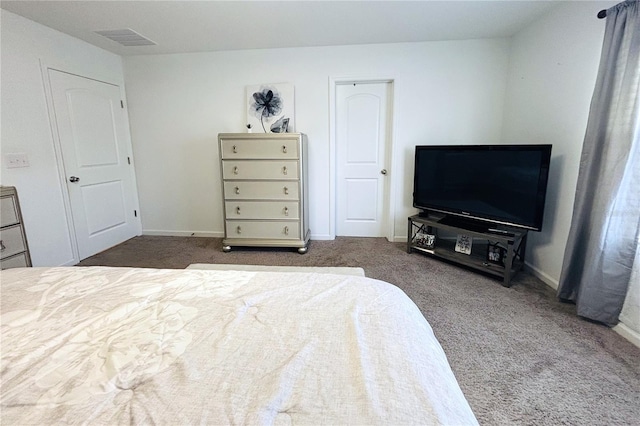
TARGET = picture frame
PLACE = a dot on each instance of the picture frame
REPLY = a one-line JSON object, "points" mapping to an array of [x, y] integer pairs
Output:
{"points": [[270, 108], [496, 254], [464, 242], [425, 240]]}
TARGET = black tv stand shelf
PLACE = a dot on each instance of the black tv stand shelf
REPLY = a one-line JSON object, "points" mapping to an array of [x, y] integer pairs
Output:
{"points": [[512, 240]]}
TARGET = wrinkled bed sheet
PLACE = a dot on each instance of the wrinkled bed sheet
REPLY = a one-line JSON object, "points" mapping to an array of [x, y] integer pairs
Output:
{"points": [[99, 345]]}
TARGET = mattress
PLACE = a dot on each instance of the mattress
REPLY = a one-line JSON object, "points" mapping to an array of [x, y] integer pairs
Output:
{"points": [[99, 345]]}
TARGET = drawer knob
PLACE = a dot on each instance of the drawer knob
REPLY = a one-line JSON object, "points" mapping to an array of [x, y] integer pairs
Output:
{"points": [[238, 210], [286, 230], [2, 246], [239, 230], [284, 170], [286, 191], [286, 211], [237, 190], [235, 170], [284, 149], [235, 149]]}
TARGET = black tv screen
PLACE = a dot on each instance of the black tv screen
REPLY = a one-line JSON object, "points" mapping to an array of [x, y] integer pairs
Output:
{"points": [[494, 184]]}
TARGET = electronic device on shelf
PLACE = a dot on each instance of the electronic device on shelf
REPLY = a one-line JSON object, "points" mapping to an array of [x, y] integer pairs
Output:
{"points": [[483, 186]]}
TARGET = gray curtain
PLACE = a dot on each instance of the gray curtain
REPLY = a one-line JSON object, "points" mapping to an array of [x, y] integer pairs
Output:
{"points": [[603, 237]]}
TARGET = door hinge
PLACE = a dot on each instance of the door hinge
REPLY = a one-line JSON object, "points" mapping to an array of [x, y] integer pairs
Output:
{"points": [[135, 213], [121, 103], [128, 160]]}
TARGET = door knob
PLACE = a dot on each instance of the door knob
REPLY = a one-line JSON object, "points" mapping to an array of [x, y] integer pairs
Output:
{"points": [[383, 171], [74, 179]]}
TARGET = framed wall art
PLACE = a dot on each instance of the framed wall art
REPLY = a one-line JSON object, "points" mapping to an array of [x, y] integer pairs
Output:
{"points": [[270, 108]]}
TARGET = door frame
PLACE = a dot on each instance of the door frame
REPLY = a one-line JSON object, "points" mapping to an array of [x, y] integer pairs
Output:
{"points": [[57, 148], [389, 191]]}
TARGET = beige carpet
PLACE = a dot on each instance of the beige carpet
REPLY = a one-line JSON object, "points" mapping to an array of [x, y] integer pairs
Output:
{"points": [[520, 356]]}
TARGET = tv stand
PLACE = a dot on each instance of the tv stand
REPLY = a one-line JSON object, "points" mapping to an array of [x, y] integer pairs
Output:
{"points": [[512, 240]]}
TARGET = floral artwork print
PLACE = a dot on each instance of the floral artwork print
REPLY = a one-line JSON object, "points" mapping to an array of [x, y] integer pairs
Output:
{"points": [[270, 107], [267, 103]]}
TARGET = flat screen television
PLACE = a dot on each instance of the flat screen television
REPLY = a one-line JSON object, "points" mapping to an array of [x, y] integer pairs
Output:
{"points": [[483, 185]]}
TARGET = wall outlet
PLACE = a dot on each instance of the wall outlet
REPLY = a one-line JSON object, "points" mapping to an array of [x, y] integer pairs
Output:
{"points": [[16, 160]]}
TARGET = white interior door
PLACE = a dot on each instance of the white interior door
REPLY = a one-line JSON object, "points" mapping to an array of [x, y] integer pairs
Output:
{"points": [[93, 140], [361, 165]]}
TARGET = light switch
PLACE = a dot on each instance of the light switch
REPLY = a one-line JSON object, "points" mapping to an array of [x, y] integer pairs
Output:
{"points": [[16, 160]]}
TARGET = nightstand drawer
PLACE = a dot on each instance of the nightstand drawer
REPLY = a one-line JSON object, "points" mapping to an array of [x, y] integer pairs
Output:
{"points": [[260, 190], [17, 261], [11, 241], [259, 149], [266, 230], [8, 211], [261, 210], [260, 170]]}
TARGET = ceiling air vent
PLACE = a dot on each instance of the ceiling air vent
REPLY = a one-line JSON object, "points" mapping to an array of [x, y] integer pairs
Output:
{"points": [[126, 37]]}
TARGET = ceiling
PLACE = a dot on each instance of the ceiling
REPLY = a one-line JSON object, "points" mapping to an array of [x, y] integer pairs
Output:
{"points": [[196, 26]]}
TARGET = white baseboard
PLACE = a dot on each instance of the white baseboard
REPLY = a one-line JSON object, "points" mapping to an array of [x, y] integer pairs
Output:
{"points": [[543, 276], [322, 237], [627, 333], [162, 233]]}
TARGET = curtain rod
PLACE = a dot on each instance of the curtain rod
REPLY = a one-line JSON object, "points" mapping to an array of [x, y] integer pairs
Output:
{"points": [[602, 14]]}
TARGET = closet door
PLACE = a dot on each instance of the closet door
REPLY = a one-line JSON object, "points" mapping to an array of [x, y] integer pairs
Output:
{"points": [[92, 132], [362, 120]]}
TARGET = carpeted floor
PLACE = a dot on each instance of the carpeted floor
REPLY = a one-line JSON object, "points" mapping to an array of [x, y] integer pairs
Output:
{"points": [[520, 356]]}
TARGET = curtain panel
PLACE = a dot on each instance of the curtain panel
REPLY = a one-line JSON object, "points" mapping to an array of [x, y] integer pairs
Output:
{"points": [[602, 241]]}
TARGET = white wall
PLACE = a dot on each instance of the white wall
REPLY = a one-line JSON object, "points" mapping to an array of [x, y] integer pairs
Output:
{"points": [[552, 74], [445, 92], [26, 129]]}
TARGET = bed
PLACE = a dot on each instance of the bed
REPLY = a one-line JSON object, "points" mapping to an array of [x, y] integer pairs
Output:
{"points": [[101, 345]]}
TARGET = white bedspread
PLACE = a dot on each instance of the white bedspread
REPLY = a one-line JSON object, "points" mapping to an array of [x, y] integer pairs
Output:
{"points": [[105, 345]]}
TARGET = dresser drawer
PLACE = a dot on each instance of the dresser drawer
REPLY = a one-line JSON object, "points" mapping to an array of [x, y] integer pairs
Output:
{"points": [[282, 230], [259, 149], [8, 211], [260, 190], [17, 261], [262, 210], [11, 241], [260, 170]]}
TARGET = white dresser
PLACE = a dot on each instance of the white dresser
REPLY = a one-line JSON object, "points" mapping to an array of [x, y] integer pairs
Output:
{"points": [[14, 251], [265, 190]]}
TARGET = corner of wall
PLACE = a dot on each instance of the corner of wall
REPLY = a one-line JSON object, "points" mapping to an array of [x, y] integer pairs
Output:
{"points": [[628, 334], [544, 277]]}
